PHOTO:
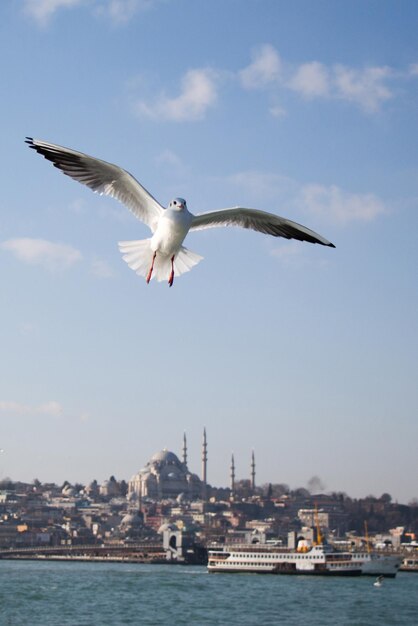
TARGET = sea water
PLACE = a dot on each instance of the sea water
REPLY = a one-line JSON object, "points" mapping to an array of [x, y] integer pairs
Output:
{"points": [[88, 594]]}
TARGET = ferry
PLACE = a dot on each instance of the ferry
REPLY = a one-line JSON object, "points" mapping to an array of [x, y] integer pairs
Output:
{"points": [[409, 564], [319, 559]]}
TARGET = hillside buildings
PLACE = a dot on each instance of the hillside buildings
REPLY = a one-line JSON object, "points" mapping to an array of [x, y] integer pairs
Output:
{"points": [[166, 498]]}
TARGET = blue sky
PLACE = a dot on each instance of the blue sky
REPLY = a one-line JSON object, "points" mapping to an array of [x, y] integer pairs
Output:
{"points": [[306, 354]]}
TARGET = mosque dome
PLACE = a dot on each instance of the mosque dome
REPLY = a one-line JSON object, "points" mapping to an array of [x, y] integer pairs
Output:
{"points": [[164, 476], [131, 520], [165, 456]]}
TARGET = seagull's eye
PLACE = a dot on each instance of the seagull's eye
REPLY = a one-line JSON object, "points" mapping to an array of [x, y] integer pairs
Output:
{"points": [[174, 202]]}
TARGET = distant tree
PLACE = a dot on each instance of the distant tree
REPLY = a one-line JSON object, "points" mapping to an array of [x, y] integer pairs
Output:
{"points": [[341, 496], [123, 485], [7, 483], [243, 488], [386, 497], [275, 490]]}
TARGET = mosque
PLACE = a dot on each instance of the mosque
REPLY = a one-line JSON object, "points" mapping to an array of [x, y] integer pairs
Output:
{"points": [[166, 477]]}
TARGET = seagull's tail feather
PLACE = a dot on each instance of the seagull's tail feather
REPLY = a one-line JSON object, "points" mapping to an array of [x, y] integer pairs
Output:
{"points": [[138, 255], [184, 261]]}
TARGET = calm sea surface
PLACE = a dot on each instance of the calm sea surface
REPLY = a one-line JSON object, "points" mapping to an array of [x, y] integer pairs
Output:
{"points": [[86, 594]]}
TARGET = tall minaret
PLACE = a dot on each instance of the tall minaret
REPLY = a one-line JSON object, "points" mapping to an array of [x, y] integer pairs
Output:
{"points": [[184, 450], [232, 477], [252, 473], [204, 465]]}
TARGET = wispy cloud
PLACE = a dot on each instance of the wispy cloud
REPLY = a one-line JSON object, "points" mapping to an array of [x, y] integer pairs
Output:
{"points": [[330, 203], [365, 87], [101, 269], [265, 68], [340, 206], [171, 159], [198, 93], [50, 255], [43, 10], [278, 111], [121, 11], [50, 408], [413, 69], [268, 186], [117, 11], [311, 80]]}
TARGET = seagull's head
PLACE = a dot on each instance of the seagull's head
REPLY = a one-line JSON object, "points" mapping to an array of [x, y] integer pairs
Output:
{"points": [[178, 204]]}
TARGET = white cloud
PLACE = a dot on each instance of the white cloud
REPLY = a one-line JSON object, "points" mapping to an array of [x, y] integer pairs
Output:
{"points": [[264, 69], [277, 111], [43, 10], [366, 87], [311, 80], [118, 11], [198, 93], [264, 186], [50, 408], [101, 269], [286, 196], [170, 158], [363, 87], [121, 11], [52, 256], [289, 252], [340, 206]]}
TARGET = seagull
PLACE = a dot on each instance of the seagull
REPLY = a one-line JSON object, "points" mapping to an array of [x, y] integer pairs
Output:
{"points": [[162, 256]]}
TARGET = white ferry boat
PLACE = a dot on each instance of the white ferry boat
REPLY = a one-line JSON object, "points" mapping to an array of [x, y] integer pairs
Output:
{"points": [[409, 564], [318, 559]]}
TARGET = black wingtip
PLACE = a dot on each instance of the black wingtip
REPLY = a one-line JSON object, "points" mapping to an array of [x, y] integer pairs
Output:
{"points": [[29, 141], [331, 245]]}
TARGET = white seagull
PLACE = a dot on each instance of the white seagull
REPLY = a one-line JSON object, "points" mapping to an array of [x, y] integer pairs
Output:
{"points": [[163, 254]]}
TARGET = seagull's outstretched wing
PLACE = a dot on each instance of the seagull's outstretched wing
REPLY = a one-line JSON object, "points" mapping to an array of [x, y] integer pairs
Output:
{"points": [[261, 221], [103, 178]]}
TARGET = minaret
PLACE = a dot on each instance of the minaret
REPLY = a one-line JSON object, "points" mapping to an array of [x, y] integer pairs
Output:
{"points": [[252, 473], [184, 450], [140, 495], [232, 477], [204, 465]]}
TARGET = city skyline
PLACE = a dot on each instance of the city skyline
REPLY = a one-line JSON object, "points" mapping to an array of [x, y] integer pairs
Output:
{"points": [[304, 354], [314, 485]]}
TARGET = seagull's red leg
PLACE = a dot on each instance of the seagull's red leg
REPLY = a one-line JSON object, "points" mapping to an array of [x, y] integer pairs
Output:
{"points": [[151, 268], [171, 277]]}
